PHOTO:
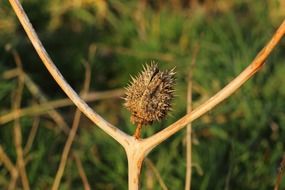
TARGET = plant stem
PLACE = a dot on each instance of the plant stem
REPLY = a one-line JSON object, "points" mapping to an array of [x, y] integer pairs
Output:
{"points": [[280, 173], [134, 173], [42, 108], [220, 96], [156, 173], [120, 136], [189, 126], [189, 137], [136, 154], [137, 134]]}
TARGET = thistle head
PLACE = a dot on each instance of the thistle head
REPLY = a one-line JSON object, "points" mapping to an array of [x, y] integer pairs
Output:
{"points": [[149, 95]]}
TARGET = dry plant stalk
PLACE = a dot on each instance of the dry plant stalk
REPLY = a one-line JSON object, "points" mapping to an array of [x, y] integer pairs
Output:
{"points": [[93, 116], [281, 170], [32, 135], [188, 135], [81, 171], [38, 94], [137, 150], [152, 167], [17, 131], [7, 162], [72, 132], [43, 108], [10, 167]]}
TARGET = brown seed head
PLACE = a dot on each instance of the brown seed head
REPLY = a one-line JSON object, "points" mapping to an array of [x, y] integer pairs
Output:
{"points": [[149, 95]]}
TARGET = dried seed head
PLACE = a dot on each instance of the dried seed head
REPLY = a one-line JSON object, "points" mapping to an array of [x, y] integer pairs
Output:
{"points": [[149, 95]]}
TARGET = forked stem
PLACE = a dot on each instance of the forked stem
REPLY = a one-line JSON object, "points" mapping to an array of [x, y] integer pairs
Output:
{"points": [[137, 148]]}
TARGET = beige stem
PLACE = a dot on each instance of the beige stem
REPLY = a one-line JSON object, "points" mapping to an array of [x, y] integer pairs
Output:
{"points": [[136, 154], [224, 93], [111, 130]]}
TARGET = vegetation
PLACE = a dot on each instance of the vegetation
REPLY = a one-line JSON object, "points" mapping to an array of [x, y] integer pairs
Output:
{"points": [[238, 145]]}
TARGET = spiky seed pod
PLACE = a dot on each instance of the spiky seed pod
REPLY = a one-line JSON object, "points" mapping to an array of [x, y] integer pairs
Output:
{"points": [[149, 95]]}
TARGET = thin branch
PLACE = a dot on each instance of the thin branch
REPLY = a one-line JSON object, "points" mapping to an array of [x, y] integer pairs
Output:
{"points": [[151, 166], [3, 157], [17, 130], [40, 109], [66, 150], [188, 136], [149, 179], [12, 73], [6, 161], [40, 96], [10, 167], [81, 171], [281, 170], [228, 90], [32, 135], [111, 130], [72, 133], [189, 126], [13, 181]]}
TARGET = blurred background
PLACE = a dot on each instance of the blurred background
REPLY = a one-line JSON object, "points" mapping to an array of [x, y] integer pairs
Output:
{"points": [[238, 145]]}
